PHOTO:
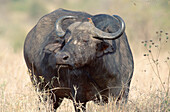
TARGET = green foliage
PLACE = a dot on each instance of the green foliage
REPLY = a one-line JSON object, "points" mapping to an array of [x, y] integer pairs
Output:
{"points": [[17, 37], [33, 8], [141, 18], [80, 4], [36, 9], [19, 5], [14, 28]]}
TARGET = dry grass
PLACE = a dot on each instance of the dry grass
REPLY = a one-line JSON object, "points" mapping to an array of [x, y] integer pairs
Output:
{"points": [[142, 17], [18, 95]]}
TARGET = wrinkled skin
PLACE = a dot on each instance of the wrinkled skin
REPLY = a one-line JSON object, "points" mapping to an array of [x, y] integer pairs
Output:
{"points": [[95, 66]]}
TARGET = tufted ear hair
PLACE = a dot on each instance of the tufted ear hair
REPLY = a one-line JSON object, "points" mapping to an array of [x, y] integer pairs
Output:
{"points": [[104, 48]]}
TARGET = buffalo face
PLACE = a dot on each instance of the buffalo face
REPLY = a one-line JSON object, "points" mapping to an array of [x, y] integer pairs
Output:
{"points": [[79, 49]]}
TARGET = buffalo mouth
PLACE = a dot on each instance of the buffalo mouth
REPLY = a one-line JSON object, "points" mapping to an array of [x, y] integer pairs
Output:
{"points": [[65, 66]]}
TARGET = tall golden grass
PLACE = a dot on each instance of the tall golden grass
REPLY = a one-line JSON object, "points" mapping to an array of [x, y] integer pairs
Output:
{"points": [[148, 92], [18, 95]]}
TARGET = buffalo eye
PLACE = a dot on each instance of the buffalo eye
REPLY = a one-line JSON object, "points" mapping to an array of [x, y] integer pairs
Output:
{"points": [[102, 46]]}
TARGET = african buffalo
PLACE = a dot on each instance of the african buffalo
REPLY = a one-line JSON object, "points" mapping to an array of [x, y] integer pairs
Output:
{"points": [[67, 50]]}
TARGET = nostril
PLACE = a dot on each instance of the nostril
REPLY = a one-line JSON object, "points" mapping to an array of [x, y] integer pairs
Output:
{"points": [[62, 57], [65, 57]]}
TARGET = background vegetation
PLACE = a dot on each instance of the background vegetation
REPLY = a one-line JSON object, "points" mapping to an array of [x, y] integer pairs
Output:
{"points": [[143, 18]]}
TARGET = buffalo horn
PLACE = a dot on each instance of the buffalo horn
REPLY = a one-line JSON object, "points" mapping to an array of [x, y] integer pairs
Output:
{"points": [[110, 36], [59, 31]]}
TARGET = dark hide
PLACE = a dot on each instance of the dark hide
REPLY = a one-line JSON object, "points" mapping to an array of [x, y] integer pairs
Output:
{"points": [[96, 67]]}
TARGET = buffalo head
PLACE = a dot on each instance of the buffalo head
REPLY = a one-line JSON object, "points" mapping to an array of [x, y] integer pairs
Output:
{"points": [[83, 42]]}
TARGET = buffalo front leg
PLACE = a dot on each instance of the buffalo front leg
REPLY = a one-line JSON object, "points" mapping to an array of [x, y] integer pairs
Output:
{"points": [[56, 102], [80, 107]]}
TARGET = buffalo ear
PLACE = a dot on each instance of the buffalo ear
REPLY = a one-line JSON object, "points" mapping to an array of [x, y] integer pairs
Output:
{"points": [[104, 48]]}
